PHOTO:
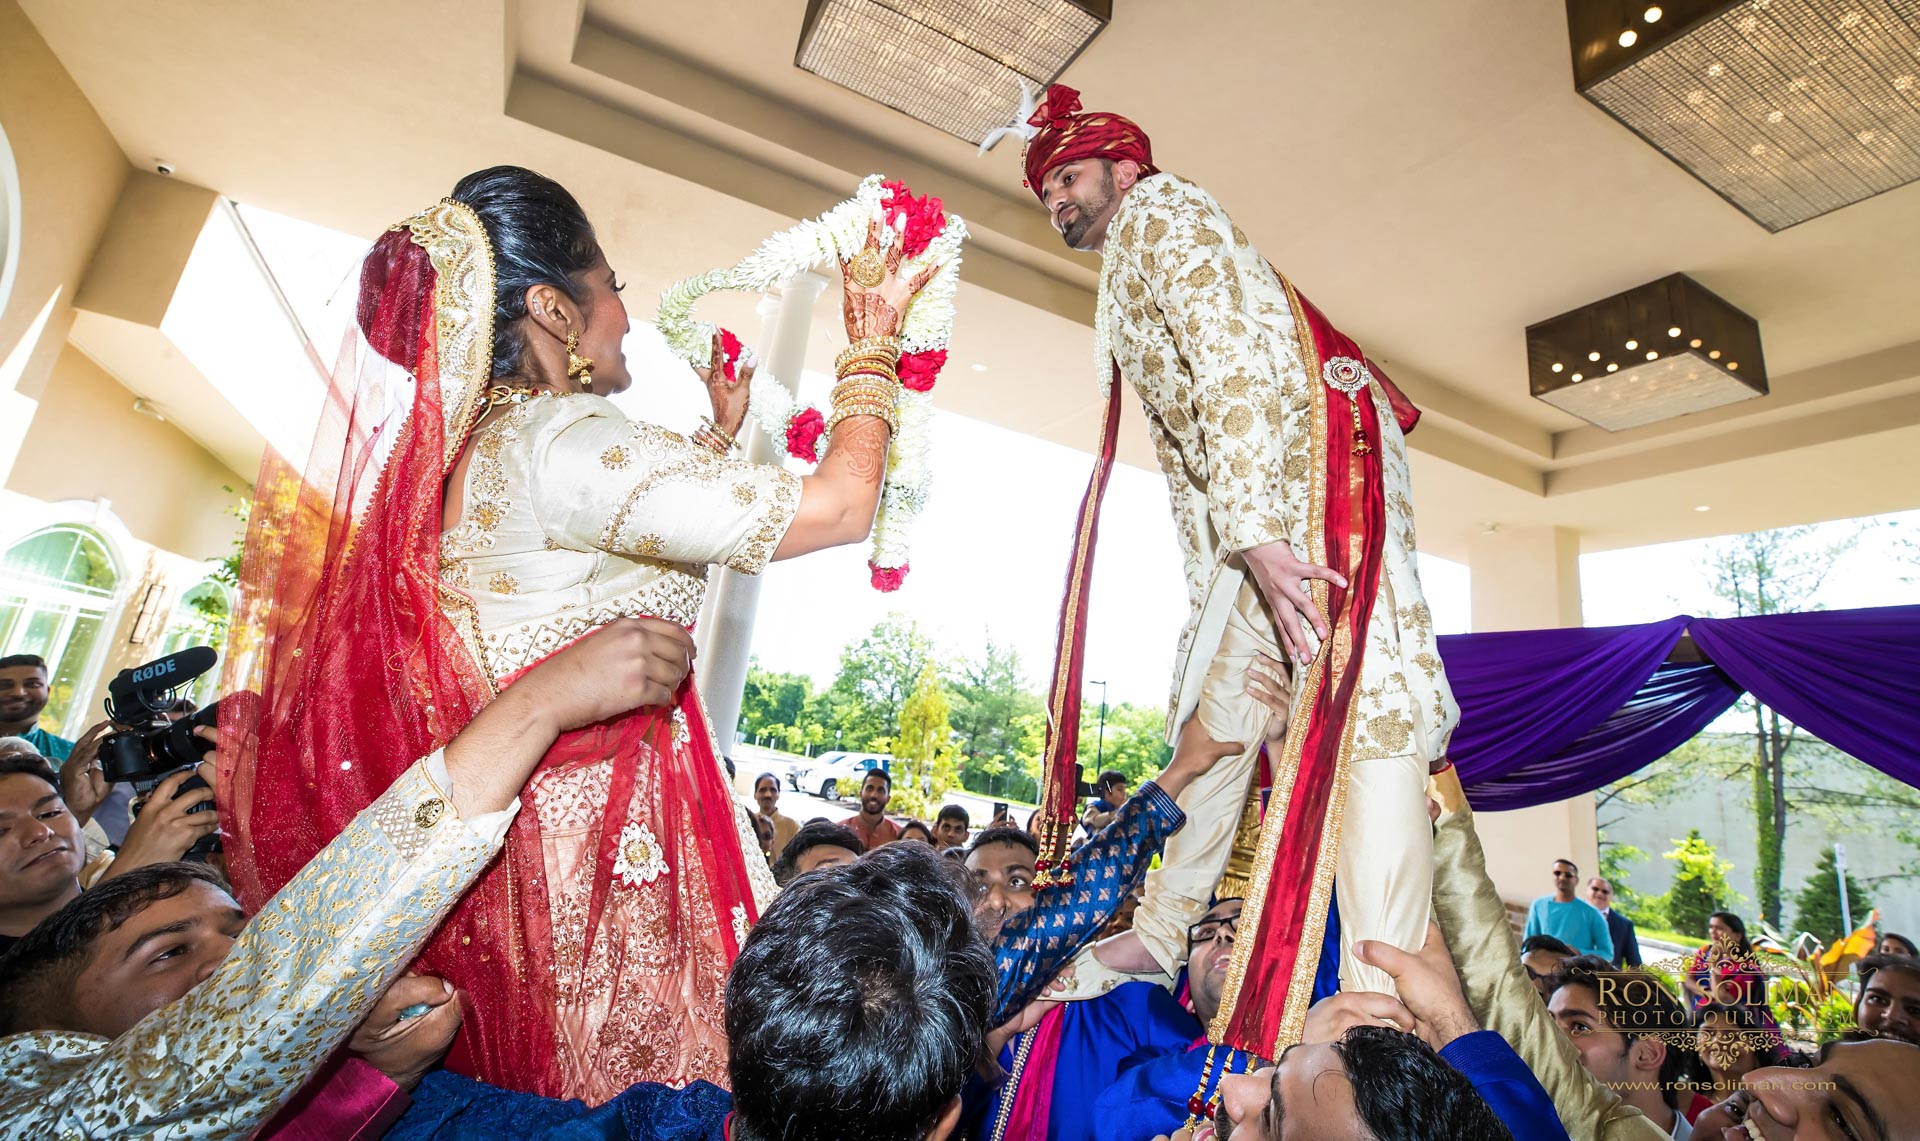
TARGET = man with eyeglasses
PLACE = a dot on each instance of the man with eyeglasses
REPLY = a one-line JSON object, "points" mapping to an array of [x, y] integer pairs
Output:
{"points": [[1626, 941], [1571, 920], [1159, 1092]]}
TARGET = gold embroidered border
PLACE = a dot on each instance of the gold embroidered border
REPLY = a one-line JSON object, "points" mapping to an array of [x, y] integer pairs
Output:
{"points": [[1306, 958], [1089, 511], [462, 258]]}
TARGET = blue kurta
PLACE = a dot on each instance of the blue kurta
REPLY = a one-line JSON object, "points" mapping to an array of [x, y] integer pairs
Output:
{"points": [[1099, 1038], [1149, 1097]]}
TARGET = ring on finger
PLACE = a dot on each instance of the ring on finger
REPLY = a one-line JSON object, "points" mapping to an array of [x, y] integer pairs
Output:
{"points": [[867, 269]]}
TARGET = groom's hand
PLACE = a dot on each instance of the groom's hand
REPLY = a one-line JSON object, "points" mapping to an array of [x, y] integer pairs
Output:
{"points": [[1282, 579]]}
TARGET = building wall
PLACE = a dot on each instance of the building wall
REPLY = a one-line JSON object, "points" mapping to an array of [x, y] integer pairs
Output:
{"points": [[71, 172], [87, 442]]}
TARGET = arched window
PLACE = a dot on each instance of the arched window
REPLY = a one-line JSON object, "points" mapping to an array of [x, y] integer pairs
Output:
{"points": [[56, 595], [200, 619]]}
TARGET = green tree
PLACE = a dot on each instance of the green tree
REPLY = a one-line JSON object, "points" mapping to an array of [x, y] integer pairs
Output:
{"points": [[1645, 910], [1134, 741], [1700, 885], [923, 751], [989, 698], [1817, 907], [876, 675], [1772, 572], [773, 701]]}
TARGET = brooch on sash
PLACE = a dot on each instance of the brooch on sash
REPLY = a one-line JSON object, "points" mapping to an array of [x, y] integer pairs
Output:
{"points": [[1352, 377]]}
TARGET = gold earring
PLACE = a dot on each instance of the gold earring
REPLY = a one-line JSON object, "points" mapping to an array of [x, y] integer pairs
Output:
{"points": [[578, 367]]}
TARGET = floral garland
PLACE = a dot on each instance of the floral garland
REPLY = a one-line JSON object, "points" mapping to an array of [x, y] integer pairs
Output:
{"points": [[931, 236]]}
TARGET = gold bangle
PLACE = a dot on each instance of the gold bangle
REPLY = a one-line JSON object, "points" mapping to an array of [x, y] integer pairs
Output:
{"points": [[888, 344], [719, 433], [872, 366]]}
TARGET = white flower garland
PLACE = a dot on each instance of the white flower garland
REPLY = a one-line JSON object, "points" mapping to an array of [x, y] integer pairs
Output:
{"points": [[840, 232]]}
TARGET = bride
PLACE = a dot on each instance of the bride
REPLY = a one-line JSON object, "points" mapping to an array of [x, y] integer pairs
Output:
{"points": [[476, 503]]}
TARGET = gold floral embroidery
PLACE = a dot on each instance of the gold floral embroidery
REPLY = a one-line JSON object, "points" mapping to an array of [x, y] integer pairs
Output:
{"points": [[500, 582], [1392, 732], [1238, 421], [616, 458], [649, 546], [743, 494], [782, 500]]}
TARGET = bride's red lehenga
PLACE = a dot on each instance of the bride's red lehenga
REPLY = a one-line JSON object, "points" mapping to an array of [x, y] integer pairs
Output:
{"points": [[594, 953]]}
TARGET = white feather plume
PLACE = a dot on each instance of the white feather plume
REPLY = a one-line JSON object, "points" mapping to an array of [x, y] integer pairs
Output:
{"points": [[1029, 103]]}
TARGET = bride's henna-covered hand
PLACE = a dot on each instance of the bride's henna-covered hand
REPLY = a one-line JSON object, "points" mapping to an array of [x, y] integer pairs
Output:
{"points": [[729, 397], [880, 310]]}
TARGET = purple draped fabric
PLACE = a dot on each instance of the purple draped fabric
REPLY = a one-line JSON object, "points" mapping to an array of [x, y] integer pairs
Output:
{"points": [[1549, 714]]}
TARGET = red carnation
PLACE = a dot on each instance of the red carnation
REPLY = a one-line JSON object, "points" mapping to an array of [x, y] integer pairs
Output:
{"points": [[803, 433], [926, 217], [886, 580], [918, 371], [729, 354]]}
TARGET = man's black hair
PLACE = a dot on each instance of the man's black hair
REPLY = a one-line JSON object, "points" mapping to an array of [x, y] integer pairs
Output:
{"points": [[1637, 1004], [47, 959], [1403, 1091], [813, 834], [1589, 964], [766, 776], [877, 771], [954, 812], [1569, 863], [859, 1003], [12, 661], [1005, 835], [1110, 778], [1545, 943], [1871, 965], [29, 764]]}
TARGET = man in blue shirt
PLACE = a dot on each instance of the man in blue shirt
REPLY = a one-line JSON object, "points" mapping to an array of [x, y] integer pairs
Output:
{"points": [[1571, 920], [23, 695]]}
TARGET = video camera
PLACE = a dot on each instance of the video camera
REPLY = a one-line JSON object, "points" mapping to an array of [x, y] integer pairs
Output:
{"points": [[153, 746]]}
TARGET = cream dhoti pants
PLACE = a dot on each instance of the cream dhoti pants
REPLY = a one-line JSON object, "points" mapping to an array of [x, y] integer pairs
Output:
{"points": [[1383, 880]]}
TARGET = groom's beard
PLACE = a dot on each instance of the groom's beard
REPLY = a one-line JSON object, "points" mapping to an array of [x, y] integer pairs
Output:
{"points": [[1086, 213]]}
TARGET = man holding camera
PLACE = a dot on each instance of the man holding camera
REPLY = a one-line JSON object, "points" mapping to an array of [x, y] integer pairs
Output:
{"points": [[23, 696]]}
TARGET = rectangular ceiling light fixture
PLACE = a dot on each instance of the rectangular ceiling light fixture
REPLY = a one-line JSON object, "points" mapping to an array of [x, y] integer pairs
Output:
{"points": [[1789, 109], [1664, 349], [954, 64]]}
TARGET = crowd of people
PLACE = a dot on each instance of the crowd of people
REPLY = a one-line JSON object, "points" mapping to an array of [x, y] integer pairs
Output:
{"points": [[882, 994]]}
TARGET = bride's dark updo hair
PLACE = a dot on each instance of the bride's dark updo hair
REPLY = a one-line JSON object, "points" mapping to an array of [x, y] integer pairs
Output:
{"points": [[540, 236]]}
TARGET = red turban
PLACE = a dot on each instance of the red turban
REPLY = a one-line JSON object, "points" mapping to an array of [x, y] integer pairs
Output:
{"points": [[1066, 135]]}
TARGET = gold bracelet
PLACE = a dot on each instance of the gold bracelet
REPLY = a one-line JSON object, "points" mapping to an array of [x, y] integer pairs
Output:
{"points": [[888, 346], [865, 403], [719, 433], [870, 366], [887, 387]]}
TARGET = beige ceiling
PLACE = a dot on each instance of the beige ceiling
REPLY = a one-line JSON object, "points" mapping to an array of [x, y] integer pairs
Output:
{"points": [[1424, 171]]}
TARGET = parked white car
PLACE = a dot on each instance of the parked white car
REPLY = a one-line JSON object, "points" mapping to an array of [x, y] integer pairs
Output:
{"points": [[830, 773]]}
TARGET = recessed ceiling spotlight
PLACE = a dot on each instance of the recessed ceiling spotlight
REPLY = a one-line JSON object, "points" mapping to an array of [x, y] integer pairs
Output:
{"points": [[1628, 38], [1652, 14], [979, 368], [1703, 507]]}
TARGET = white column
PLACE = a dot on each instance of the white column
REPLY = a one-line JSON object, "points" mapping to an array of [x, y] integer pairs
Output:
{"points": [[726, 625], [1528, 578]]}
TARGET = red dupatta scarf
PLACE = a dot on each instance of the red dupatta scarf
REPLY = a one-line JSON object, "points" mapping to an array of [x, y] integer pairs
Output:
{"points": [[351, 659], [1284, 918]]}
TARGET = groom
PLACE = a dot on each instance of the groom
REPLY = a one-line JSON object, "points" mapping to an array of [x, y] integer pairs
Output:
{"points": [[1284, 454]]}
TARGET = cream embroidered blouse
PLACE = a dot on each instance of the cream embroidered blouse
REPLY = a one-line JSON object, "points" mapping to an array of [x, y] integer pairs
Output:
{"points": [[576, 516]]}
